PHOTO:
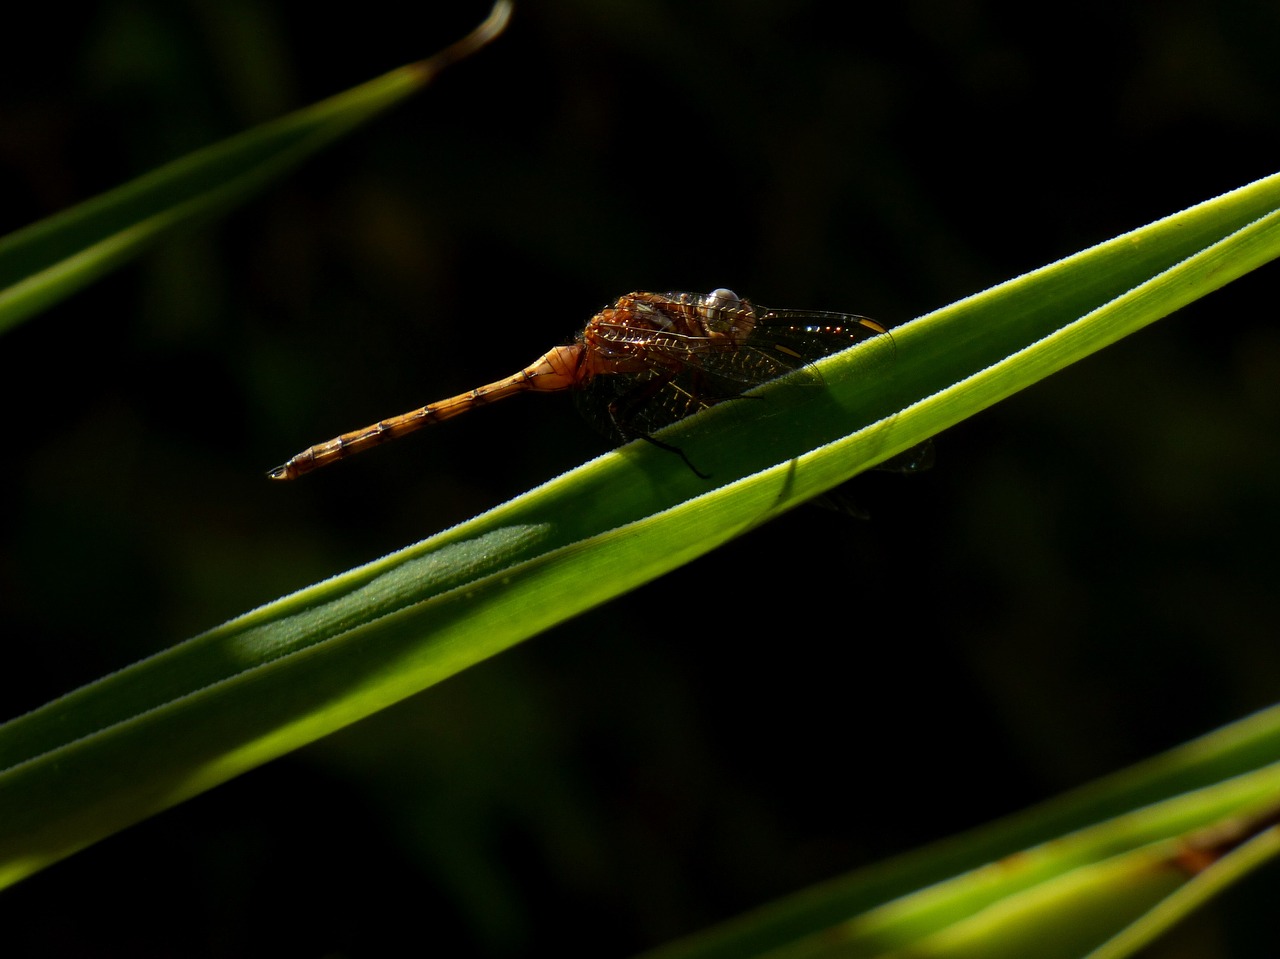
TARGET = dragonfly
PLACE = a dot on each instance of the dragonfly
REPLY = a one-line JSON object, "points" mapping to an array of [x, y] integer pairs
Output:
{"points": [[643, 363]]}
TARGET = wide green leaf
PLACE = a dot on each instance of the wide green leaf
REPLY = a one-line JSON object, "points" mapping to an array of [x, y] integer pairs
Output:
{"points": [[283, 675]]}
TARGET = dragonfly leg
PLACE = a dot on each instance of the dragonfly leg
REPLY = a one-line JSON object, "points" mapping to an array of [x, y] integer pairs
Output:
{"points": [[674, 449], [623, 409]]}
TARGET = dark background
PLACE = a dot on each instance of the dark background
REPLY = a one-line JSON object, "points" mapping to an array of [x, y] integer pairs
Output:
{"points": [[1098, 553]]}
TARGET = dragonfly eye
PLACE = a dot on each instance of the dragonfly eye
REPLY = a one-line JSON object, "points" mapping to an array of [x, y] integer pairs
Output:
{"points": [[721, 298], [724, 313]]}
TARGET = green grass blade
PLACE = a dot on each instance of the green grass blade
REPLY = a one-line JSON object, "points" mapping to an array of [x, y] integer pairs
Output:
{"points": [[50, 260], [282, 676], [1257, 851], [1120, 881]]}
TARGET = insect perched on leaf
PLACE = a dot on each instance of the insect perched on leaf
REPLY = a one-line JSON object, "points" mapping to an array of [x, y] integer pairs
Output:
{"points": [[643, 363]]}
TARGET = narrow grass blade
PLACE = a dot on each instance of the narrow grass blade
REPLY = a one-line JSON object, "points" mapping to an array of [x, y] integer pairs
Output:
{"points": [[50, 260], [1111, 886]]}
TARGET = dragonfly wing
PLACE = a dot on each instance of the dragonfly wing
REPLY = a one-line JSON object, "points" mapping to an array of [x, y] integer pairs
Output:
{"points": [[662, 374], [814, 334]]}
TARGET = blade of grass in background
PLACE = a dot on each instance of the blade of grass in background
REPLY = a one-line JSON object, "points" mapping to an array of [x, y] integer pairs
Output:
{"points": [[1082, 880], [1239, 860], [50, 260], [171, 726]]}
